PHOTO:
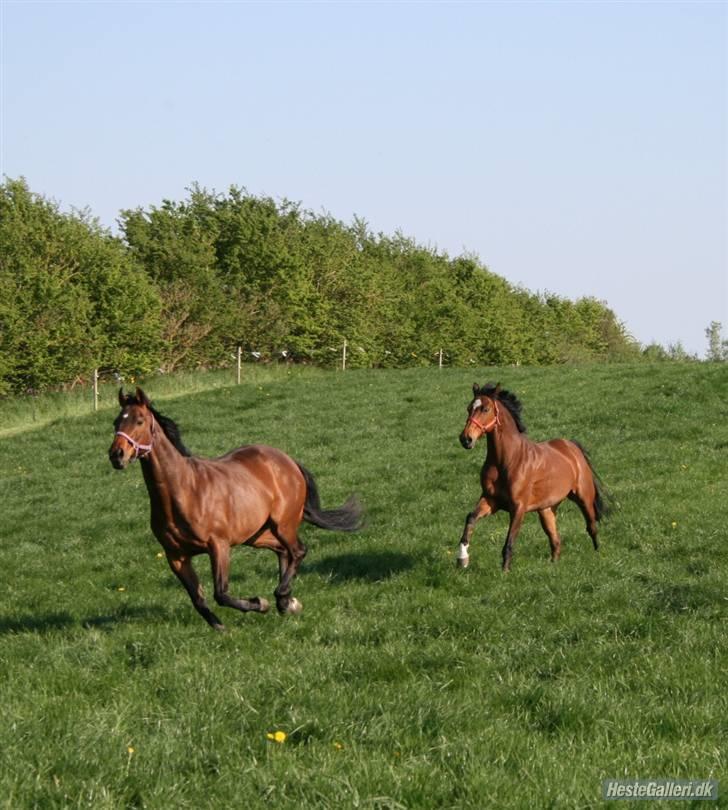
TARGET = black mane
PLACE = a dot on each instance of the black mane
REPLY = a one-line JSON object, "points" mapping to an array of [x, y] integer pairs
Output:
{"points": [[508, 399], [171, 431]]}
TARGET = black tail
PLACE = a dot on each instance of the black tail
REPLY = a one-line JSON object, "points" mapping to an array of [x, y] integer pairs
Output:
{"points": [[347, 518], [603, 500]]}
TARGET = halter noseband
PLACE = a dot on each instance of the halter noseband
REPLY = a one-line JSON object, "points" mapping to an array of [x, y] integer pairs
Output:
{"points": [[493, 422], [139, 448]]}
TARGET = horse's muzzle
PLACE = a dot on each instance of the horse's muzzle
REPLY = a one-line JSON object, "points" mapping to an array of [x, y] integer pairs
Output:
{"points": [[466, 441], [116, 457]]}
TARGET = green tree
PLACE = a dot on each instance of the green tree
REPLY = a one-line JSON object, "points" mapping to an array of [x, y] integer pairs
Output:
{"points": [[70, 300], [177, 252]]}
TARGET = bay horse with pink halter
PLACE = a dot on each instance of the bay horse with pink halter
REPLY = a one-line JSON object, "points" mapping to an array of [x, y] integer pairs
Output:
{"points": [[254, 495], [521, 476]]}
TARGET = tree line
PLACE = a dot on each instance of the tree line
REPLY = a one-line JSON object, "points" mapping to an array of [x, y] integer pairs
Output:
{"points": [[184, 283]]}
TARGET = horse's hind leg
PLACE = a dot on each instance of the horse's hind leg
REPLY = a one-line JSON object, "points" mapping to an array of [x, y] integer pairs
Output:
{"points": [[482, 508], [289, 560], [182, 568], [220, 561], [585, 502], [548, 524]]}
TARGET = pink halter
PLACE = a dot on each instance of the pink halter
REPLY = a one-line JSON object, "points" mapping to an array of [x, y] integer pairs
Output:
{"points": [[139, 448]]}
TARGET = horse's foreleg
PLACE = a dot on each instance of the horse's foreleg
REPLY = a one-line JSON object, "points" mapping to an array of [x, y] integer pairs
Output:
{"points": [[514, 527], [220, 561], [482, 508], [183, 570], [548, 524]]}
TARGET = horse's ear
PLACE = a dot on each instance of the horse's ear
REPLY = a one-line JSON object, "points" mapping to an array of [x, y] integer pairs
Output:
{"points": [[497, 389], [142, 398], [476, 389], [122, 397]]}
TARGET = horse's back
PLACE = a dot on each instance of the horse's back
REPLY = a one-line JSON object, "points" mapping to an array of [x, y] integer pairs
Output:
{"points": [[564, 447], [255, 454], [275, 470], [258, 460], [578, 462]]}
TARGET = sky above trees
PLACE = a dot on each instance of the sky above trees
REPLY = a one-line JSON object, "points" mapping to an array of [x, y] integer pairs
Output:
{"points": [[576, 148]]}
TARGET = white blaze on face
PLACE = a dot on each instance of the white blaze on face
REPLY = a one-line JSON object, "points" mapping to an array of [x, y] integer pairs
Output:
{"points": [[477, 404]]}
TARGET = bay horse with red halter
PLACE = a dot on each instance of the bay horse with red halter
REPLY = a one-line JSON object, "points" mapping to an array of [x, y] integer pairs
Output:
{"points": [[254, 495], [521, 476]]}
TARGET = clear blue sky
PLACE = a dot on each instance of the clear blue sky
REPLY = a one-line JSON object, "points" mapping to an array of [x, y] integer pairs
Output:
{"points": [[575, 147]]}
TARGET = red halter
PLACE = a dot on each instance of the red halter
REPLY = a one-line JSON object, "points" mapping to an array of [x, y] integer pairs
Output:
{"points": [[493, 422]]}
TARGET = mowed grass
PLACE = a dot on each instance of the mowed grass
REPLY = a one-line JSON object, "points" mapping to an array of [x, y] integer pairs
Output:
{"points": [[405, 683]]}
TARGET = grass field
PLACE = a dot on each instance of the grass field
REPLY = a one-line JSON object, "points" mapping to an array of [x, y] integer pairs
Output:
{"points": [[405, 683]]}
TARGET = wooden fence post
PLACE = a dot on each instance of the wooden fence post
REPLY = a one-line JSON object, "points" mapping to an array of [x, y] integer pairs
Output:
{"points": [[240, 356], [440, 360], [343, 357], [96, 389]]}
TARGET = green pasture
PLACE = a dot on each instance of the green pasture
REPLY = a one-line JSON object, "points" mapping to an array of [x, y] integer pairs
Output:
{"points": [[405, 683]]}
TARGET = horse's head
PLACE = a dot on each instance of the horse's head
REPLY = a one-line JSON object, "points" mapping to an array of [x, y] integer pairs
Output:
{"points": [[133, 429], [483, 416]]}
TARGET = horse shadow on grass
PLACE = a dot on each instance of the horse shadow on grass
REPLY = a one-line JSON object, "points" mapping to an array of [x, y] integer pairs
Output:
{"points": [[369, 567], [50, 622]]}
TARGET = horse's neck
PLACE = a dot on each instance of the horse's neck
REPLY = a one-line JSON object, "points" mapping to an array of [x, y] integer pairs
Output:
{"points": [[165, 470], [505, 441]]}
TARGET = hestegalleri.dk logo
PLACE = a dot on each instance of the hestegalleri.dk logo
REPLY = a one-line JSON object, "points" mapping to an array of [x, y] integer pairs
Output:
{"points": [[679, 789]]}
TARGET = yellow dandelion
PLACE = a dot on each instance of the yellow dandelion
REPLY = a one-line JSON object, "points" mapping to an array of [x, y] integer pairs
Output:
{"points": [[674, 524], [160, 554], [338, 746], [130, 750], [121, 588], [277, 736]]}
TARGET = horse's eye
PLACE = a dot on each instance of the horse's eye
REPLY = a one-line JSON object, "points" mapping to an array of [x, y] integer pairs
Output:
{"points": [[140, 422]]}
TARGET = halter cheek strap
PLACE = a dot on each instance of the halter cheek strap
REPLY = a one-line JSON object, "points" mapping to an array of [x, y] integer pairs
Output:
{"points": [[140, 450], [493, 422]]}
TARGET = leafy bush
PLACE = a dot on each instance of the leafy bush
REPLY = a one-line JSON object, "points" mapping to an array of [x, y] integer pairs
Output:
{"points": [[70, 298], [191, 280]]}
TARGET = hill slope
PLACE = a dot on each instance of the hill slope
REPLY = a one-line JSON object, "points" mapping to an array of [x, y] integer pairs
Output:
{"points": [[405, 683]]}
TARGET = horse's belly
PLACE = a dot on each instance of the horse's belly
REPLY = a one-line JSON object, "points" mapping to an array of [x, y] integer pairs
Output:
{"points": [[553, 498], [225, 515], [549, 491], [235, 518]]}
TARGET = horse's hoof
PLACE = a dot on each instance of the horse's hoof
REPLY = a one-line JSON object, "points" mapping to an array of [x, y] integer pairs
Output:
{"points": [[463, 562], [220, 628], [294, 606], [263, 605]]}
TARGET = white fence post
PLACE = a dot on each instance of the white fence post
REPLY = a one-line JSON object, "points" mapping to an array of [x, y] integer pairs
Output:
{"points": [[440, 360], [96, 389], [240, 355], [343, 357]]}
